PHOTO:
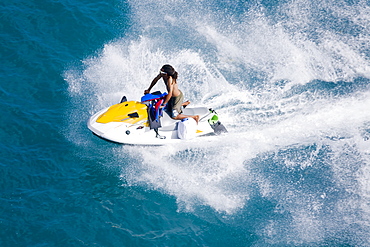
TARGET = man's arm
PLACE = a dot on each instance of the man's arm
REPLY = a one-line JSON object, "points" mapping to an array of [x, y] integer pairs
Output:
{"points": [[169, 90], [153, 83]]}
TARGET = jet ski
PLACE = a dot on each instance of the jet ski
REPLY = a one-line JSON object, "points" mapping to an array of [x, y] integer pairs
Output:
{"points": [[146, 123]]}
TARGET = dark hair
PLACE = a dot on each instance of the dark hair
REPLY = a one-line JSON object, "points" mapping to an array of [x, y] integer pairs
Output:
{"points": [[169, 70]]}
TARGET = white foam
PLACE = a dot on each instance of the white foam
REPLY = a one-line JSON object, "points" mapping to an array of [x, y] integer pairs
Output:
{"points": [[246, 70]]}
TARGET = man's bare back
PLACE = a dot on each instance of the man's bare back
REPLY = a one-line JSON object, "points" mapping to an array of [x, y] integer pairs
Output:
{"points": [[173, 84]]}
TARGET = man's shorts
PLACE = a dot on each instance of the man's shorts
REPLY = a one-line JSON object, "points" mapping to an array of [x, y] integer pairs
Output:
{"points": [[174, 105]]}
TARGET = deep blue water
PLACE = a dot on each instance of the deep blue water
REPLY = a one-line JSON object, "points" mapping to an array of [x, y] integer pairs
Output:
{"points": [[289, 79]]}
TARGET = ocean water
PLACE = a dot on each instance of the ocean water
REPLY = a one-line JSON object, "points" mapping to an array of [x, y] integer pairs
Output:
{"points": [[289, 79]]}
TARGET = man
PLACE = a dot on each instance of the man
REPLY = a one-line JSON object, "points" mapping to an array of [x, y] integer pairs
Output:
{"points": [[175, 98]]}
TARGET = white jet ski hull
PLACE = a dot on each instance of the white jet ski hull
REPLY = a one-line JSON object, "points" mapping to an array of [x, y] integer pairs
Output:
{"points": [[139, 134]]}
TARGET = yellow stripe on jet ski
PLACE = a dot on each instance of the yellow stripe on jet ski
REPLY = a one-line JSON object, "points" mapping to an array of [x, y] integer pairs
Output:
{"points": [[120, 113]]}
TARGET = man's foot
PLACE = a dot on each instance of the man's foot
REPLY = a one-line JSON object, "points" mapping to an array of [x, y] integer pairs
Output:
{"points": [[186, 103], [196, 118]]}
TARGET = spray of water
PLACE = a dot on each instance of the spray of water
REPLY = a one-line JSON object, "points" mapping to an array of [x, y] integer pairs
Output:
{"points": [[290, 84]]}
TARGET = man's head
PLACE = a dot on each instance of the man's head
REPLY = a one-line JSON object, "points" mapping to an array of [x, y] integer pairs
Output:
{"points": [[169, 70]]}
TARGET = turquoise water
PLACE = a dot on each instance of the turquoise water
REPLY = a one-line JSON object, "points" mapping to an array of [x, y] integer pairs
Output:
{"points": [[289, 79]]}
